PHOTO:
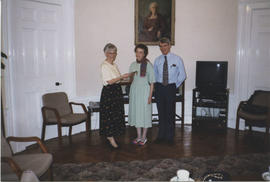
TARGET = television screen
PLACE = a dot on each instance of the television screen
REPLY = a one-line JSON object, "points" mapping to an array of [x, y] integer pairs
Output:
{"points": [[211, 74]]}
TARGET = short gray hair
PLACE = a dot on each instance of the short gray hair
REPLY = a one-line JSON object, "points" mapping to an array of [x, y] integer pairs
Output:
{"points": [[165, 40], [109, 47]]}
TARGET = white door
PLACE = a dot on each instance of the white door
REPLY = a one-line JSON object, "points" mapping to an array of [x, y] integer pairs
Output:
{"points": [[38, 55], [259, 51], [253, 58]]}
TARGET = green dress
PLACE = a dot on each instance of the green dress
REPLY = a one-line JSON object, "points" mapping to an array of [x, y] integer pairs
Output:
{"points": [[140, 112]]}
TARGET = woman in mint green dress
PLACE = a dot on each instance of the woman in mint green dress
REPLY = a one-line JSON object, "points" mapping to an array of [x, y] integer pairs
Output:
{"points": [[140, 96]]}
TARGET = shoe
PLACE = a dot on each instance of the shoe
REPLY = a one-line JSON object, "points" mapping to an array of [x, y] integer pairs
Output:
{"points": [[142, 142], [110, 145], [136, 141]]}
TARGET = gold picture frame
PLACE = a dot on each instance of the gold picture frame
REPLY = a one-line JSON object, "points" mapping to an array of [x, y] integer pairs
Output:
{"points": [[154, 19]]}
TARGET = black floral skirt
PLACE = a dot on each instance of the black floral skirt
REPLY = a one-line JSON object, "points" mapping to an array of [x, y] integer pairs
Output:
{"points": [[112, 119]]}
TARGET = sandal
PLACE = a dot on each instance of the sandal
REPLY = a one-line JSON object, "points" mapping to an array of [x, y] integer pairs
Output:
{"points": [[142, 142], [136, 141]]}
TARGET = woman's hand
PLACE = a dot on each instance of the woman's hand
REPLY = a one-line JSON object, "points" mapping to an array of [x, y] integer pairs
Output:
{"points": [[149, 100], [151, 93], [150, 29], [126, 75]]}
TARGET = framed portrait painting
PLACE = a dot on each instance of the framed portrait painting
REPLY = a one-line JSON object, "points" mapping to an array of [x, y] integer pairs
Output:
{"points": [[154, 19]]}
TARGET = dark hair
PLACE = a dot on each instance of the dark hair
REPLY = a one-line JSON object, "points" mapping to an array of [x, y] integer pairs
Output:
{"points": [[142, 46]]}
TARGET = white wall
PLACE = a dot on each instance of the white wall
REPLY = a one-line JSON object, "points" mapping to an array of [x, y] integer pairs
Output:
{"points": [[204, 30]]}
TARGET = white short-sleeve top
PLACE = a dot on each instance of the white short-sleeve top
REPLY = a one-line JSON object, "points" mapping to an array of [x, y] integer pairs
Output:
{"points": [[108, 72]]}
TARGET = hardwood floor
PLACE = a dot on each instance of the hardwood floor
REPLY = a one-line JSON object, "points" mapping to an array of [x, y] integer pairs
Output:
{"points": [[81, 148]]}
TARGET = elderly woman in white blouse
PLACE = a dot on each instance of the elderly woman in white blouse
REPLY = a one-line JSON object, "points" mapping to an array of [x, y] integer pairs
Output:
{"points": [[112, 120]]}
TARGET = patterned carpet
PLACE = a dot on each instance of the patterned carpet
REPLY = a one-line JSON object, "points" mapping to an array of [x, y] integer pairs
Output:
{"points": [[163, 169]]}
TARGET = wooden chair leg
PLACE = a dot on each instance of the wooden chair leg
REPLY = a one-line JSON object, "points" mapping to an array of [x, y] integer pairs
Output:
{"points": [[183, 114], [59, 127], [87, 126], [70, 131], [43, 131], [237, 123]]}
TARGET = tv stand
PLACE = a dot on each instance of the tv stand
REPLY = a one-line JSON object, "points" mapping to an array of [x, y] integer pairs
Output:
{"points": [[210, 109]]}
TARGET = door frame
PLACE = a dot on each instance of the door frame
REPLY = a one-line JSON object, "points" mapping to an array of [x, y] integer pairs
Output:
{"points": [[8, 106], [9, 49], [245, 10]]}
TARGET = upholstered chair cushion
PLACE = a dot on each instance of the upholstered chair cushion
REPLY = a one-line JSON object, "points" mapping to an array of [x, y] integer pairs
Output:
{"points": [[70, 118], [261, 98], [5, 148], [58, 101], [7, 173], [249, 116]]}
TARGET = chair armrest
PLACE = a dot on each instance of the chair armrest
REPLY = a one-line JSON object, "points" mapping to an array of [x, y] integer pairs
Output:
{"points": [[28, 139], [78, 104], [240, 104], [14, 166], [45, 108]]}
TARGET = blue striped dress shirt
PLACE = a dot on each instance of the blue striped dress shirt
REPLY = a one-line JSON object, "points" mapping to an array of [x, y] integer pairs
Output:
{"points": [[176, 69]]}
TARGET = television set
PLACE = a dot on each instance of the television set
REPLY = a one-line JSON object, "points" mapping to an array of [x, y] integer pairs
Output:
{"points": [[211, 75]]}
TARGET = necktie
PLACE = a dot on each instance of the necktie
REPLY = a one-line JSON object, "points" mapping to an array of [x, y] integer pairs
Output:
{"points": [[165, 72]]}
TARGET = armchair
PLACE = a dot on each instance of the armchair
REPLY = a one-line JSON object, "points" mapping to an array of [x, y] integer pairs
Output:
{"points": [[12, 166], [58, 111], [261, 101]]}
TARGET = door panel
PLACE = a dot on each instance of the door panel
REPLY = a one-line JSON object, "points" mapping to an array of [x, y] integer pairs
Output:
{"points": [[259, 54], [38, 55], [253, 52]]}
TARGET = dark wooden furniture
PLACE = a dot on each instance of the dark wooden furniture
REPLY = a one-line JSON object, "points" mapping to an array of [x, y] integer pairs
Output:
{"points": [[210, 109], [57, 110], [180, 98], [261, 99], [14, 165]]}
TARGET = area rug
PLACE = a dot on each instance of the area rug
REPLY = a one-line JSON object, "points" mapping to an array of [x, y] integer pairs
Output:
{"points": [[163, 169]]}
